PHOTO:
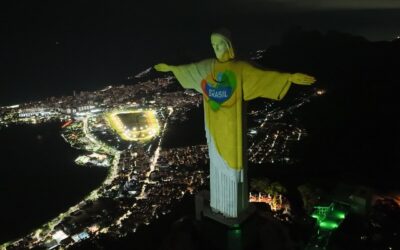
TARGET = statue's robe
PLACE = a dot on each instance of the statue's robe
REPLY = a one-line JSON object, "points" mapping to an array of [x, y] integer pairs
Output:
{"points": [[224, 86]]}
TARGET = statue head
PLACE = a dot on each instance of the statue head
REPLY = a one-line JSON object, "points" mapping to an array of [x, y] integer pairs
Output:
{"points": [[222, 45]]}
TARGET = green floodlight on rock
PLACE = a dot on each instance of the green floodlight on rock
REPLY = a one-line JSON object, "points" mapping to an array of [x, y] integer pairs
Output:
{"points": [[316, 216], [235, 239], [339, 214], [328, 218], [328, 225]]}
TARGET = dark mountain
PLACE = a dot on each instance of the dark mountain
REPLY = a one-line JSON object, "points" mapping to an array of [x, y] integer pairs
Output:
{"points": [[353, 128]]}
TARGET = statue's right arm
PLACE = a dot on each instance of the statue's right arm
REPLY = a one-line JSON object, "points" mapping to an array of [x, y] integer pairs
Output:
{"points": [[188, 75], [162, 67]]}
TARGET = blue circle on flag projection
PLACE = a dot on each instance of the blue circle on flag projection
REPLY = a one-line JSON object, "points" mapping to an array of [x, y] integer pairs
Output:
{"points": [[219, 94]]}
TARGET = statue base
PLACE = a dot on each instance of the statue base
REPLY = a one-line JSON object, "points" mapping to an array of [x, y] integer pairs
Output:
{"points": [[203, 209]]}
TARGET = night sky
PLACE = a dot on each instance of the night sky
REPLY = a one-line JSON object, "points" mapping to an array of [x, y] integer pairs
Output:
{"points": [[54, 47]]}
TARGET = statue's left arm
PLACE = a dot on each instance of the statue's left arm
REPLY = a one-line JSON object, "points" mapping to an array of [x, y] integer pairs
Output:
{"points": [[268, 83]]}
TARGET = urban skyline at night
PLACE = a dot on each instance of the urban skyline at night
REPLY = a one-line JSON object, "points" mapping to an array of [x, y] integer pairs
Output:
{"points": [[120, 150]]}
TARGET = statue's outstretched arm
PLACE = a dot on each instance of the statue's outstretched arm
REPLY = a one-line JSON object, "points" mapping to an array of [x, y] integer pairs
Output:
{"points": [[163, 67], [188, 75], [301, 79], [258, 82]]}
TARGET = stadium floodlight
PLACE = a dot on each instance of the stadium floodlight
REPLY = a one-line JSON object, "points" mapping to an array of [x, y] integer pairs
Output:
{"points": [[127, 132]]}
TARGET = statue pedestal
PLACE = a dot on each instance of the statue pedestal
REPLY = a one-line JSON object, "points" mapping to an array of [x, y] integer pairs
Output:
{"points": [[203, 209]]}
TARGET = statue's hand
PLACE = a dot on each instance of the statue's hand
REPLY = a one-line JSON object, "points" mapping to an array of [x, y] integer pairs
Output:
{"points": [[302, 79], [162, 67]]}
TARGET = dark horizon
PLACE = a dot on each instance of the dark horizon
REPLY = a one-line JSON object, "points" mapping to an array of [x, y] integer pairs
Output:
{"points": [[51, 49]]}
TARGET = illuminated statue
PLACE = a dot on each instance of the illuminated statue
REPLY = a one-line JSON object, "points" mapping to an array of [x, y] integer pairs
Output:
{"points": [[224, 83]]}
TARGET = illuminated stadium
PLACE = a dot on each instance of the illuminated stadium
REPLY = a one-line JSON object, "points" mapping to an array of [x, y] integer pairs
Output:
{"points": [[134, 125]]}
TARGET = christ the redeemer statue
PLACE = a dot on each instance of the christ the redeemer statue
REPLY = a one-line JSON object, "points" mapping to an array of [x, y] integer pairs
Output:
{"points": [[224, 83]]}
